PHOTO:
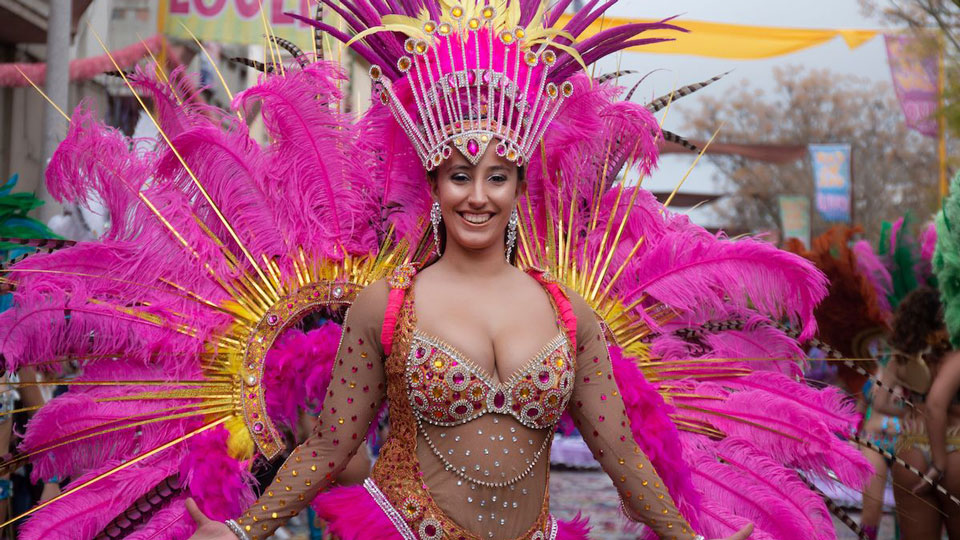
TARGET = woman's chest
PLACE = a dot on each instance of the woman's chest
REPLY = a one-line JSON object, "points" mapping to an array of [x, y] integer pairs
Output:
{"points": [[445, 387]]}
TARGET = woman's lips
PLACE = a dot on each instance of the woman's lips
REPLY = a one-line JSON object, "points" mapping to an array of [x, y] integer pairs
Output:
{"points": [[476, 218]]}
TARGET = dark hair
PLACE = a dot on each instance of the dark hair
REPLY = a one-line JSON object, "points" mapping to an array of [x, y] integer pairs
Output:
{"points": [[432, 176], [919, 315]]}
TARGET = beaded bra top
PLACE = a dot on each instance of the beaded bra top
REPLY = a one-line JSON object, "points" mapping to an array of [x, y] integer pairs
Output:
{"points": [[447, 389]]}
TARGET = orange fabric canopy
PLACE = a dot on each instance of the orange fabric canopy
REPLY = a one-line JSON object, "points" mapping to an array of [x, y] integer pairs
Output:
{"points": [[735, 41]]}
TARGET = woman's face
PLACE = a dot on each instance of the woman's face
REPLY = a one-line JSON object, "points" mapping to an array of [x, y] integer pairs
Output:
{"points": [[476, 201]]}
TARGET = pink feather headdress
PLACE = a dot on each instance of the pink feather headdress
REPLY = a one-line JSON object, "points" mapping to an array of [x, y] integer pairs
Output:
{"points": [[466, 75]]}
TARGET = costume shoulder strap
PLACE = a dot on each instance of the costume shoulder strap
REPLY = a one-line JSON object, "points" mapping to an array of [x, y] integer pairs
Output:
{"points": [[400, 281], [561, 300]]}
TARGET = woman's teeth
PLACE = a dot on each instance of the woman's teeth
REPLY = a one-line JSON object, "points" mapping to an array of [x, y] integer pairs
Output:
{"points": [[477, 219]]}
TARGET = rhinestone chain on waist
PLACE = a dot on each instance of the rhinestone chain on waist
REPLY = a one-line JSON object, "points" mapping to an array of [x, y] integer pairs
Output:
{"points": [[462, 473]]}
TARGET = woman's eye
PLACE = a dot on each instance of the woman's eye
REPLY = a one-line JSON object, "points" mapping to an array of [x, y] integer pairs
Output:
{"points": [[460, 178], [498, 178]]}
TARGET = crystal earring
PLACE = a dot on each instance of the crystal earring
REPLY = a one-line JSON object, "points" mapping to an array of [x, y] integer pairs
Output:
{"points": [[512, 232], [435, 217]]}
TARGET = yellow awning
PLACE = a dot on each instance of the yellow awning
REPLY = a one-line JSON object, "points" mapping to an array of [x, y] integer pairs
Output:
{"points": [[736, 41]]}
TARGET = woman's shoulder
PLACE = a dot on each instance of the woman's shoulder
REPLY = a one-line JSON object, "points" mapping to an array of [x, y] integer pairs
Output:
{"points": [[371, 302], [580, 307]]}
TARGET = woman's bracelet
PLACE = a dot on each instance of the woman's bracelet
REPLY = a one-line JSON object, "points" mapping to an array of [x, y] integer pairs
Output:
{"points": [[236, 529]]}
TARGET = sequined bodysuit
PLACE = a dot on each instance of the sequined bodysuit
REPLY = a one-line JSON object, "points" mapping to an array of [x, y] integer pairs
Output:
{"points": [[467, 456]]}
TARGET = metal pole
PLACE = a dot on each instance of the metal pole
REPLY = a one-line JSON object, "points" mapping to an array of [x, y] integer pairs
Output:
{"points": [[57, 87], [853, 193], [942, 126]]}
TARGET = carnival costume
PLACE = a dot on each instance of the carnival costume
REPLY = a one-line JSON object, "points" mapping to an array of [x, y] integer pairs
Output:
{"points": [[670, 355]]}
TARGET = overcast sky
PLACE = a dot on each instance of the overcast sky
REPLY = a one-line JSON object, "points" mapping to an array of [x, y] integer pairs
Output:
{"points": [[869, 60]]}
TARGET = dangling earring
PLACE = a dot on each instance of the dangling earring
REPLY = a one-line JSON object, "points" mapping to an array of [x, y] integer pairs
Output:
{"points": [[435, 217], [512, 232]]}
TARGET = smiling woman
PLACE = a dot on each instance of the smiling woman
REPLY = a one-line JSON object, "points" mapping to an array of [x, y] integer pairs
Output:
{"points": [[476, 202]]}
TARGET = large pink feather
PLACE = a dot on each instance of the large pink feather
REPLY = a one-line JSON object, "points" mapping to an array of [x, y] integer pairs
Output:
{"points": [[752, 486], [76, 414], [789, 433], [323, 189], [82, 515], [95, 159], [221, 485], [177, 103], [655, 433], [170, 523], [687, 272], [875, 271], [400, 185], [232, 170], [928, 243]]}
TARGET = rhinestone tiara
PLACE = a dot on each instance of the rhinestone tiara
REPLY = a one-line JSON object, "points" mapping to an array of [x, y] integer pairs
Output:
{"points": [[467, 83]]}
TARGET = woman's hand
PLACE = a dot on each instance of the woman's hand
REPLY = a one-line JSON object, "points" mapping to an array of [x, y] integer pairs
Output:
{"points": [[207, 529], [922, 487], [50, 490], [742, 534]]}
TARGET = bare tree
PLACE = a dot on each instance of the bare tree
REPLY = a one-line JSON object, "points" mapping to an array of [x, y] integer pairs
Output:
{"points": [[920, 16], [895, 169], [937, 25]]}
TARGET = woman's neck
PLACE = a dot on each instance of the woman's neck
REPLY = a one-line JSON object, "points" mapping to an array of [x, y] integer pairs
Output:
{"points": [[482, 263]]}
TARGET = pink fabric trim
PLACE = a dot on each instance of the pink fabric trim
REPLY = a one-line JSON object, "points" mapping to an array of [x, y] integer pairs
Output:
{"points": [[390, 319], [351, 513], [563, 304], [82, 69]]}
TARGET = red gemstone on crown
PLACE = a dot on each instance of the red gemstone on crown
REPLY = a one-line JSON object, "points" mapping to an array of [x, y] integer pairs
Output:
{"points": [[473, 147]]}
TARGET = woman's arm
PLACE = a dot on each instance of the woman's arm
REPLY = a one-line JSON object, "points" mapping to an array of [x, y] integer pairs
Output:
{"points": [[942, 392], [352, 402], [882, 400], [599, 414]]}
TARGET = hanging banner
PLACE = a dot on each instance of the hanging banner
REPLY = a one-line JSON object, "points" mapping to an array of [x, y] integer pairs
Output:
{"points": [[832, 180], [916, 81], [236, 21], [795, 218]]}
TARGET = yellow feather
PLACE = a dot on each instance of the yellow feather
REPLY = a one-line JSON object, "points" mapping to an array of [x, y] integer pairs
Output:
{"points": [[512, 14], [565, 48], [412, 31], [239, 444], [414, 22], [538, 35]]}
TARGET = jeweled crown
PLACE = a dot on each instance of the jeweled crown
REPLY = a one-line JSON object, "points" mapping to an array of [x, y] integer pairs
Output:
{"points": [[468, 81]]}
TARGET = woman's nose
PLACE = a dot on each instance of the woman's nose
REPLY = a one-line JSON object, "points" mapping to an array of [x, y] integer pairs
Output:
{"points": [[478, 194]]}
